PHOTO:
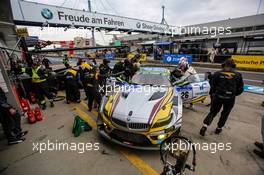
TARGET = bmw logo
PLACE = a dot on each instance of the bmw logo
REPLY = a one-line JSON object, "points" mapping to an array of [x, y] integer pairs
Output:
{"points": [[138, 25], [46, 13], [169, 59]]}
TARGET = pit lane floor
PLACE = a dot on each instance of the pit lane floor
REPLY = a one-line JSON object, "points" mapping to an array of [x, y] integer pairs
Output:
{"points": [[242, 130]]}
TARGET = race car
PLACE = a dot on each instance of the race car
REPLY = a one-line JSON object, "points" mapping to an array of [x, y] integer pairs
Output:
{"points": [[142, 113]]}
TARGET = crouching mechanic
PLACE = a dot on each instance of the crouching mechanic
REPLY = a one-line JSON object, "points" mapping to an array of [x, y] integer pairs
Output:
{"points": [[226, 85], [11, 121], [189, 74]]}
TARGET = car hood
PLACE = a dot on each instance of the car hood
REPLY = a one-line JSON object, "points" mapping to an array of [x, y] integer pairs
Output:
{"points": [[137, 107]]}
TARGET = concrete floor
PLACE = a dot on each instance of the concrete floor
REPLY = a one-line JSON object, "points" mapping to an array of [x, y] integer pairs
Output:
{"points": [[242, 130]]}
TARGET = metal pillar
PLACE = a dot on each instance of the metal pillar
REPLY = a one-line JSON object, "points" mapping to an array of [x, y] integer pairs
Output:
{"points": [[163, 21], [93, 38], [8, 83]]}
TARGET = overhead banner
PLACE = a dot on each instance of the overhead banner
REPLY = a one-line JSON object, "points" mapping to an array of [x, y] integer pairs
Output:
{"points": [[175, 58], [249, 61], [32, 13]]}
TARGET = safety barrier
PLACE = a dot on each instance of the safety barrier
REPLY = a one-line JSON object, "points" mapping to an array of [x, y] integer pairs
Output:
{"points": [[249, 61]]}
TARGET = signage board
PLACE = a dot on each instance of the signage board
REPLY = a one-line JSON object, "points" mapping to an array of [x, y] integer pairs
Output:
{"points": [[249, 61], [33, 13], [174, 58]]}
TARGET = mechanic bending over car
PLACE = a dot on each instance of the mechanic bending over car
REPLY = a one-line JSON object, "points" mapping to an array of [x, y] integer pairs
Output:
{"points": [[226, 85], [189, 74]]}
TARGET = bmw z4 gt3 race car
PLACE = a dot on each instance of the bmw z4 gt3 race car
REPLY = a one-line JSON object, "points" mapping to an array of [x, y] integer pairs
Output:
{"points": [[144, 112]]}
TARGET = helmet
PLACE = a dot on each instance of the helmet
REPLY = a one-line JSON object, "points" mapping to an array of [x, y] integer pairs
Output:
{"points": [[183, 63]]}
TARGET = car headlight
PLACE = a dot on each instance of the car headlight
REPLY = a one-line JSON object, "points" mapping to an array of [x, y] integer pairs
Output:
{"points": [[162, 136], [163, 122]]}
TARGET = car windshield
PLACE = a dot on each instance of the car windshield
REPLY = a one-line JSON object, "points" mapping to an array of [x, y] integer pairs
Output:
{"points": [[150, 79]]}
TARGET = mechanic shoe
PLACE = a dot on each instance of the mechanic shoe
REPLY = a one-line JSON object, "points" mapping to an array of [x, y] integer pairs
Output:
{"points": [[16, 141], [259, 153], [208, 105], [218, 130], [259, 145], [43, 107], [22, 134], [203, 130], [51, 104]]}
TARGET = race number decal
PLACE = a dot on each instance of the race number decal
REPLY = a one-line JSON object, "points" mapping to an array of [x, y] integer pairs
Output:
{"points": [[185, 95], [185, 92]]}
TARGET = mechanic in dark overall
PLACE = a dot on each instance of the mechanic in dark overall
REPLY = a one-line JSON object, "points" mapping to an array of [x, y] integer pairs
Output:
{"points": [[72, 77], [93, 88], [11, 121], [105, 70], [128, 66], [84, 70], [226, 85]]}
